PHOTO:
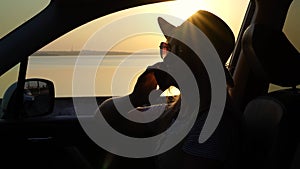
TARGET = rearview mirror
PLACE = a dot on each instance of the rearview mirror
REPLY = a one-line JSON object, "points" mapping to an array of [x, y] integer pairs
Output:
{"points": [[38, 99]]}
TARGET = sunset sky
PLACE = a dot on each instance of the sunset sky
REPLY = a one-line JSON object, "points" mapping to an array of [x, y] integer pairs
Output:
{"points": [[231, 11], [15, 12]]}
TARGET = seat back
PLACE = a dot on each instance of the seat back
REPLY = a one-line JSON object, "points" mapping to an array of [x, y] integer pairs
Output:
{"points": [[271, 121], [262, 117], [271, 128], [271, 55]]}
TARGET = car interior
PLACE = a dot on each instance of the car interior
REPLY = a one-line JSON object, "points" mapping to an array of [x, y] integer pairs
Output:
{"points": [[40, 130]]}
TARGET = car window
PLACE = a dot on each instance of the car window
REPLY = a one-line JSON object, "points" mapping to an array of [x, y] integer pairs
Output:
{"points": [[8, 79], [292, 31], [129, 56], [292, 24], [13, 13]]}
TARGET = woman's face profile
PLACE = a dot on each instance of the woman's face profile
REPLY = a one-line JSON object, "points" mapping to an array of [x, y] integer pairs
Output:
{"points": [[174, 55]]}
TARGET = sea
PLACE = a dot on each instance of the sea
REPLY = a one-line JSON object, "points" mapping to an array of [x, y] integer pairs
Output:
{"points": [[108, 75]]}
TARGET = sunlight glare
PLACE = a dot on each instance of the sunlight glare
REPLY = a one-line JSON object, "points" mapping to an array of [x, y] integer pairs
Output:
{"points": [[182, 9], [188, 7]]}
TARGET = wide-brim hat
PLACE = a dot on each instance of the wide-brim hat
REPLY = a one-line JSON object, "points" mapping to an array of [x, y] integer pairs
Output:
{"points": [[217, 31]]}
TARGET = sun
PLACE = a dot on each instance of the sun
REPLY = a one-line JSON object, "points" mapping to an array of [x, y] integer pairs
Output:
{"points": [[181, 9], [185, 8]]}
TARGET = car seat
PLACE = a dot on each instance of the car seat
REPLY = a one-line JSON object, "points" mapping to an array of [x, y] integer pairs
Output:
{"points": [[270, 133]]}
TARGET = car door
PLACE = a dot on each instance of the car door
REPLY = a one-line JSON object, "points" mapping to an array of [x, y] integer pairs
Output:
{"points": [[59, 134]]}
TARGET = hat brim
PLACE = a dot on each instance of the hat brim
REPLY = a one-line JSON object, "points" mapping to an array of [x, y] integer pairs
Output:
{"points": [[165, 27]]}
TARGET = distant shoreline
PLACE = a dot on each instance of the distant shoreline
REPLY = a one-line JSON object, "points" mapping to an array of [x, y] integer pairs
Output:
{"points": [[86, 52]]}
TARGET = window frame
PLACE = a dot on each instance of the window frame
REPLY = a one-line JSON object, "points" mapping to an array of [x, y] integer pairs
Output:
{"points": [[237, 51]]}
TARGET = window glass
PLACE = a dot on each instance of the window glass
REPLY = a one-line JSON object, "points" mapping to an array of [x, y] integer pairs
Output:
{"points": [[129, 56], [8, 79], [13, 13], [273, 87], [292, 24], [292, 31]]}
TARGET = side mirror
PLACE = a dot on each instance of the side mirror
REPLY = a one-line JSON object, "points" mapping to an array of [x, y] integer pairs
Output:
{"points": [[38, 99]]}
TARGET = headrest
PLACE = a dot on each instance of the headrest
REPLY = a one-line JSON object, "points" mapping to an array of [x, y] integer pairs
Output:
{"points": [[278, 58]]}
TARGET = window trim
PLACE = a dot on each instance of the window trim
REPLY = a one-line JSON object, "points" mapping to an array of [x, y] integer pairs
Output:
{"points": [[238, 46]]}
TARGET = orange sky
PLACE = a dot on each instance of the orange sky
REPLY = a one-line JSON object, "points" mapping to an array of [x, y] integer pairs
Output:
{"points": [[15, 12], [231, 11]]}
